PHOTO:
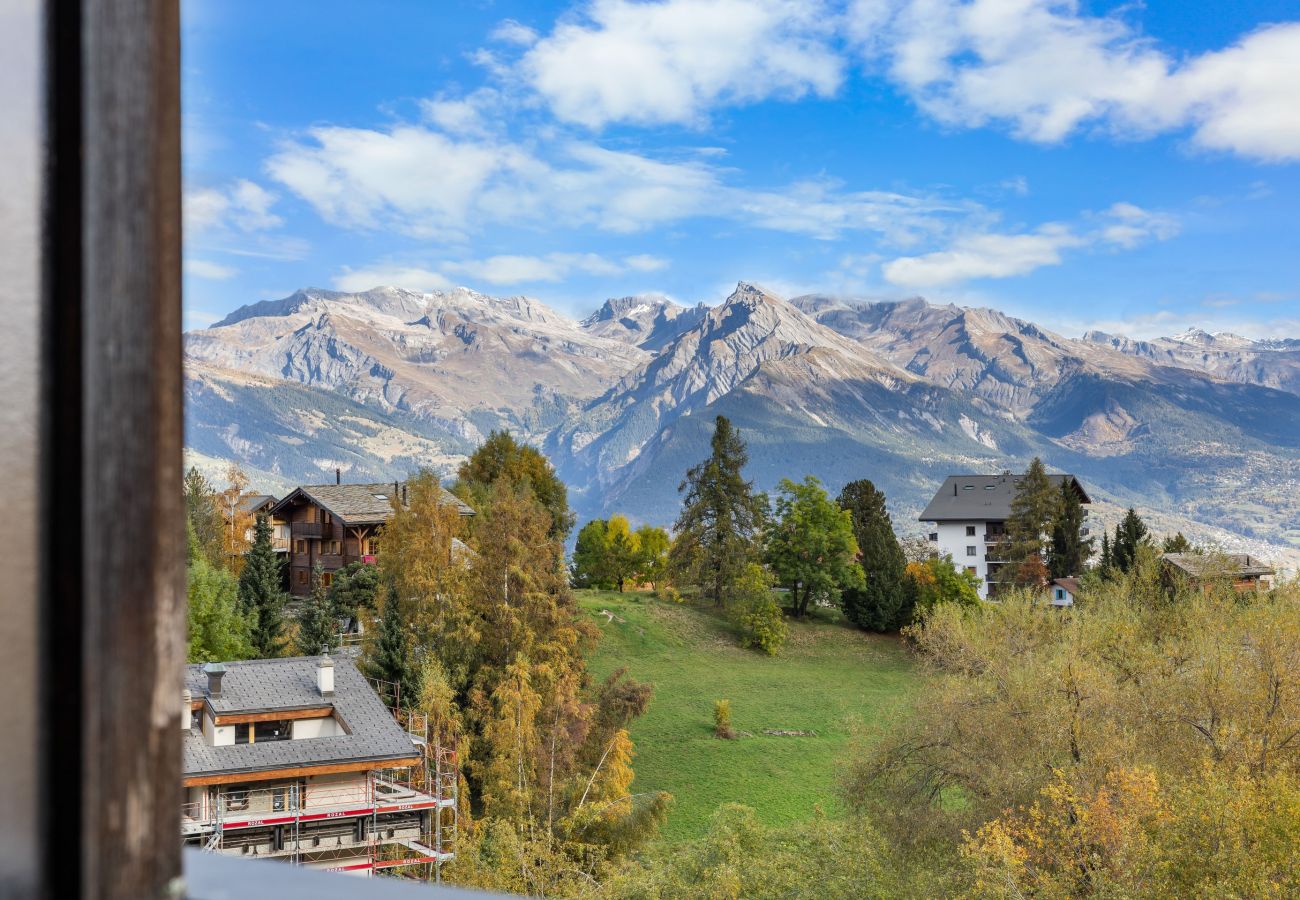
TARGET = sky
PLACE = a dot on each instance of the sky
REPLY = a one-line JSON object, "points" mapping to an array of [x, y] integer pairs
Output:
{"points": [[1128, 167]]}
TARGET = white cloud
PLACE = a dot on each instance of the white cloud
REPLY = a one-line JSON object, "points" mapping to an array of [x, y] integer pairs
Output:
{"points": [[1046, 70], [428, 184], [644, 262], [412, 278], [202, 268], [1123, 226], [670, 61], [241, 205], [512, 32], [983, 256]]}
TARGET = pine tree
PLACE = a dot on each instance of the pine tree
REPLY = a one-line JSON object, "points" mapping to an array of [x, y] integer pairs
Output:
{"points": [[720, 521], [260, 594], [1033, 510], [1130, 533], [318, 630], [1107, 560], [203, 510], [1177, 543], [1069, 550], [887, 600], [389, 658]]}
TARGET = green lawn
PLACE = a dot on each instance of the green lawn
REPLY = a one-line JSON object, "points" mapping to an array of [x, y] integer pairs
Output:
{"points": [[826, 678]]}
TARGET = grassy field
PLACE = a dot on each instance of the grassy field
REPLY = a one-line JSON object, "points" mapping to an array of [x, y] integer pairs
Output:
{"points": [[827, 678]]}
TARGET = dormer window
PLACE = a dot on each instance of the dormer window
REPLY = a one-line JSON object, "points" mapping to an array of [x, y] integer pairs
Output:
{"points": [[380, 496]]}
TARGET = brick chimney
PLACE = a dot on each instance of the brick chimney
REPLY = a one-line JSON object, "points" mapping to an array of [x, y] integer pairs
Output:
{"points": [[325, 676], [214, 671]]}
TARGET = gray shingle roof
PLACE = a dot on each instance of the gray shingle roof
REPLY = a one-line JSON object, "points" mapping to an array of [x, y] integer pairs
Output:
{"points": [[258, 685], [250, 502], [1241, 565], [982, 498], [362, 504]]}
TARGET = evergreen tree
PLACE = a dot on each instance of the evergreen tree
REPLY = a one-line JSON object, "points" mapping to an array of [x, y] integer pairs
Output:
{"points": [[1177, 543], [886, 601], [501, 457], [216, 628], [318, 630], [1107, 560], [260, 594], [1130, 534], [591, 556], [720, 521], [1069, 551], [203, 510], [353, 589], [1033, 509], [810, 545], [389, 659]]}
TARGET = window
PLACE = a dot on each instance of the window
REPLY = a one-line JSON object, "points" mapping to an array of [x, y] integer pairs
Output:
{"points": [[971, 570], [272, 731], [302, 576], [237, 800], [299, 546], [934, 535], [970, 531], [970, 551], [327, 578], [242, 731], [380, 496], [374, 546]]}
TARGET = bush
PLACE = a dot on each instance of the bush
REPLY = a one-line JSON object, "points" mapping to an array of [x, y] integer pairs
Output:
{"points": [[763, 626], [722, 720], [670, 593]]}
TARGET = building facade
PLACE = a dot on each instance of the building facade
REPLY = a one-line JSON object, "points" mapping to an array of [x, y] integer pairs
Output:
{"points": [[298, 759], [968, 518], [334, 525]]}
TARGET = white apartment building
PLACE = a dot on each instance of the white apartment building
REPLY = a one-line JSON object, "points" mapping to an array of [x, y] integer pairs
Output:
{"points": [[968, 517]]}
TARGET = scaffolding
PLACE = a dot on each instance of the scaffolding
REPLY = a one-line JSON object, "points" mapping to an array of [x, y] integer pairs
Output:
{"points": [[401, 820]]}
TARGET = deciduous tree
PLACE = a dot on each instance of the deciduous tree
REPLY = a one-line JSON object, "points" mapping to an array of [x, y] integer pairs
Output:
{"points": [[501, 457], [217, 629], [810, 545]]}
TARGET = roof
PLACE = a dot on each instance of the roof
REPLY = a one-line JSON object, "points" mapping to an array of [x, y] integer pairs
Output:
{"points": [[361, 504], [264, 685], [1070, 584], [983, 498], [253, 502], [1242, 565]]}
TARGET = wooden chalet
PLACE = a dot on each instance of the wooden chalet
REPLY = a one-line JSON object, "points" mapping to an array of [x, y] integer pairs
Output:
{"points": [[334, 525]]}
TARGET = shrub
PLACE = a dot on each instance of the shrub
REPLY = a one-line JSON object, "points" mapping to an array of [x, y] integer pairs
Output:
{"points": [[722, 720], [762, 625]]}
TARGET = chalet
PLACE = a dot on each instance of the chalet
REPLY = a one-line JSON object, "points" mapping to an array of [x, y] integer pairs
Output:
{"points": [[254, 505], [1245, 571], [298, 759], [968, 517], [1062, 591], [334, 525]]}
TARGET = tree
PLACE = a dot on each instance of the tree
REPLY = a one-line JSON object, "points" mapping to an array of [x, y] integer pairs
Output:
{"points": [[884, 602], [1177, 543], [1033, 510], [810, 545], [653, 544], [259, 592], [217, 629], [1107, 560], [1130, 533], [1068, 552], [718, 527], [318, 630], [354, 588], [591, 556], [938, 580], [623, 549], [502, 457], [389, 658], [204, 514], [236, 521], [761, 623]]}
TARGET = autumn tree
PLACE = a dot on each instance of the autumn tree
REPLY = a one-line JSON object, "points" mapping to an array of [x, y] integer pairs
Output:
{"points": [[810, 545], [502, 458], [886, 599], [236, 520], [754, 609], [719, 526], [653, 545], [623, 549], [938, 580], [260, 594]]}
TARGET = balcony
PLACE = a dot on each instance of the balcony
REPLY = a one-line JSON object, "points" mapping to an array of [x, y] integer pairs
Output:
{"points": [[312, 530]]}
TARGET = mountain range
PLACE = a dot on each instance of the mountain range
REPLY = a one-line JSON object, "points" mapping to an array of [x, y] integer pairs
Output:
{"points": [[1201, 432]]}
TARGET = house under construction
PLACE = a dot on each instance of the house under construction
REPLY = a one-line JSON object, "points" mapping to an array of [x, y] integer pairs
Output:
{"points": [[299, 759]]}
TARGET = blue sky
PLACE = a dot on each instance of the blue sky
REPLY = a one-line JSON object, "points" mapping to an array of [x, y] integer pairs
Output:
{"points": [[1129, 167]]}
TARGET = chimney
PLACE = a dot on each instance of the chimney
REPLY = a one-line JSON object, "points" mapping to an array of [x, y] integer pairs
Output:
{"points": [[186, 698], [338, 476], [214, 671], [325, 676], [403, 494]]}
